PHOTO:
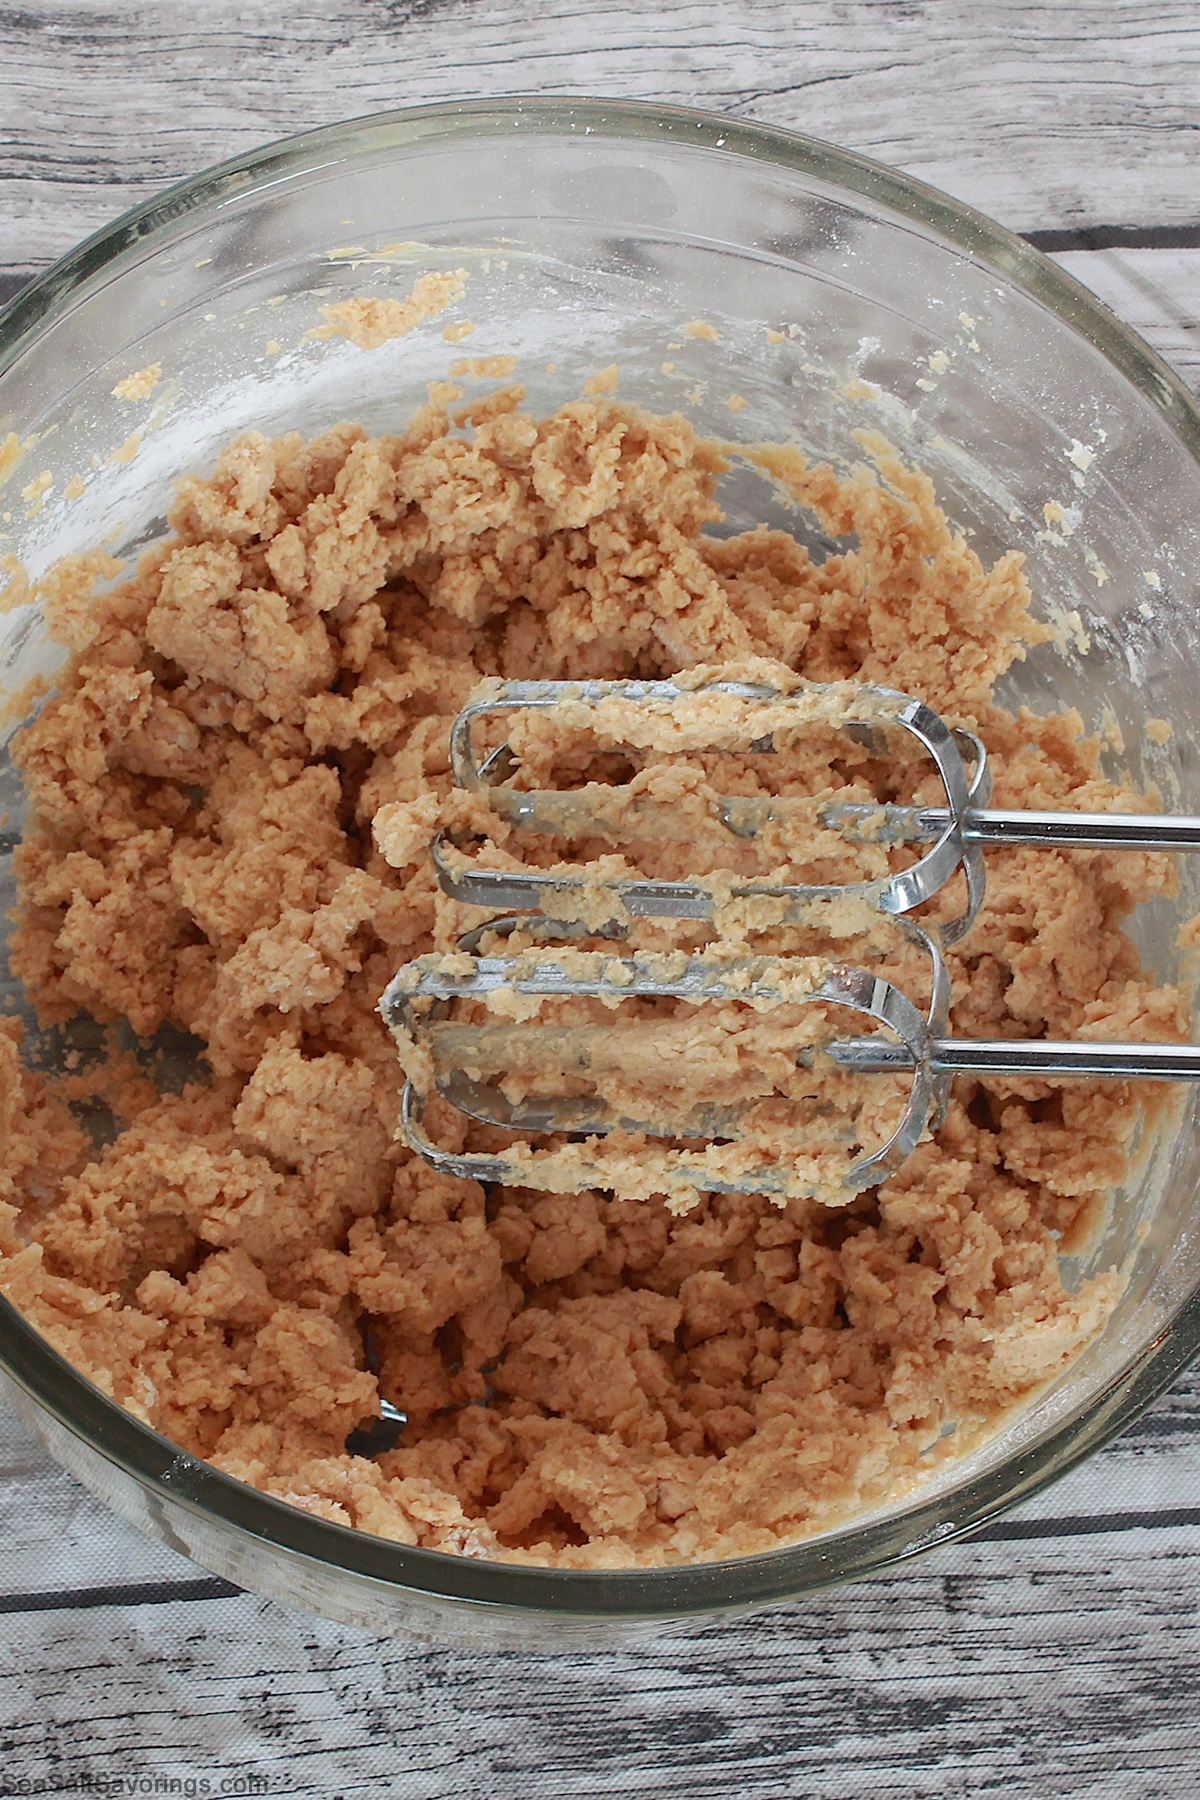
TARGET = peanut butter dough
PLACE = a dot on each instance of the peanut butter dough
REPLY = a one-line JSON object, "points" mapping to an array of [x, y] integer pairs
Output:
{"points": [[235, 789]]}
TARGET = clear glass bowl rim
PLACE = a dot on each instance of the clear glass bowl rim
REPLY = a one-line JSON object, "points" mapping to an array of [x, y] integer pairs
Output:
{"points": [[856, 1550]]}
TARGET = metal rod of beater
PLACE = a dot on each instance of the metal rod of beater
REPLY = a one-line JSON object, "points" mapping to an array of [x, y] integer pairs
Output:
{"points": [[1017, 1056], [1079, 831]]}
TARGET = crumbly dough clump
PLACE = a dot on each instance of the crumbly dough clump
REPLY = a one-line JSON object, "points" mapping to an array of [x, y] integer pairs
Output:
{"points": [[589, 1381]]}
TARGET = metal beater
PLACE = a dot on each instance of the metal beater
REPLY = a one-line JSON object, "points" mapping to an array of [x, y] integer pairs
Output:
{"points": [[457, 1059]]}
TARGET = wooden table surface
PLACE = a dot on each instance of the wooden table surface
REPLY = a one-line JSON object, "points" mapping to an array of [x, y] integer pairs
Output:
{"points": [[1057, 1653]]}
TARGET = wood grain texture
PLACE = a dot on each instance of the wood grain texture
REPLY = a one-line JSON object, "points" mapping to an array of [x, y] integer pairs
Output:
{"points": [[1045, 113], [1063, 1671], [1155, 291]]}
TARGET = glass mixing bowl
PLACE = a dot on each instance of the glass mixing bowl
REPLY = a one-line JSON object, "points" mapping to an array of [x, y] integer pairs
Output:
{"points": [[840, 295]]}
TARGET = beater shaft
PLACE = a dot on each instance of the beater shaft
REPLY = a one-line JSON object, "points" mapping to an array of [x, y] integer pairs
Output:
{"points": [[996, 825]]}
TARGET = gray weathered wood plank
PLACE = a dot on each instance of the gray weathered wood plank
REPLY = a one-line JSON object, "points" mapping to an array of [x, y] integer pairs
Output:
{"points": [[1042, 112], [1155, 291], [1069, 1674]]}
